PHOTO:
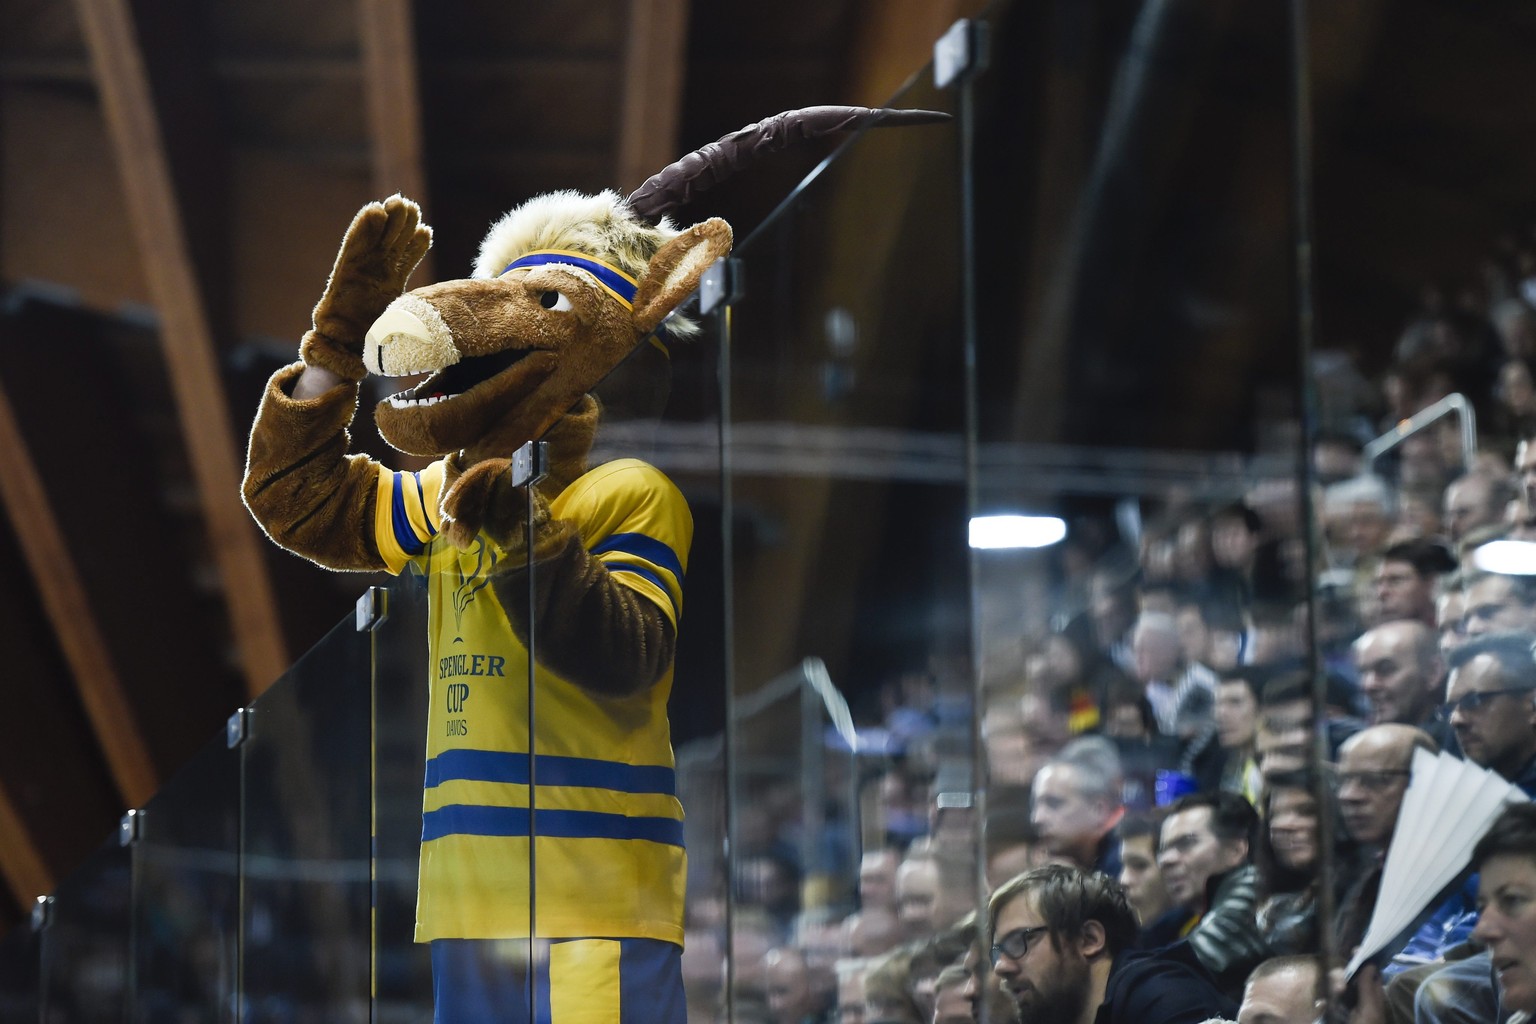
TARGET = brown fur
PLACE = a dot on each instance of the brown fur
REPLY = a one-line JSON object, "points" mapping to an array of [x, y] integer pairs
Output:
{"points": [[315, 500]]}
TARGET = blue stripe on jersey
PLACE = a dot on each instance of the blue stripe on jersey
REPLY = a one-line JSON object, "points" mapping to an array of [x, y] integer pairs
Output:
{"points": [[405, 533], [543, 1012], [480, 820], [501, 766], [651, 983], [641, 546], [650, 574]]}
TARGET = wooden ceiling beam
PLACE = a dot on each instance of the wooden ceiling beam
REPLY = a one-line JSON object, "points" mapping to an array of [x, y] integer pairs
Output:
{"points": [[26, 876], [655, 52], [392, 86], [58, 581], [192, 366]]}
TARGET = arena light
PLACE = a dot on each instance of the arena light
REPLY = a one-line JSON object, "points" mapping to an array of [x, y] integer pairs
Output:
{"points": [[1507, 557], [1016, 531]]}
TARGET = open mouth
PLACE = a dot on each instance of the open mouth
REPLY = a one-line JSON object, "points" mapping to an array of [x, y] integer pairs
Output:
{"points": [[457, 379]]}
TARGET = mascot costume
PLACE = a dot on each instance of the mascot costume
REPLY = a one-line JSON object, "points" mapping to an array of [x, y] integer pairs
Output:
{"points": [[566, 287]]}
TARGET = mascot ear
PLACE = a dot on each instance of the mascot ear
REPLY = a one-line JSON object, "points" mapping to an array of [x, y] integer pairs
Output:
{"points": [[675, 270]]}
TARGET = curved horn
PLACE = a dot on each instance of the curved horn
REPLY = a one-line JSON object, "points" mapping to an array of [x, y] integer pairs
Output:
{"points": [[709, 165]]}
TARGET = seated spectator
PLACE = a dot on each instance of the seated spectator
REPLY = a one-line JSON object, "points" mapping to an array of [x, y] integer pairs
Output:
{"points": [[1505, 859], [1111, 609], [983, 988], [795, 994], [1490, 706], [1418, 513], [1011, 756], [1181, 693], [1283, 990], [1143, 881], [1288, 855], [1373, 776], [1062, 942], [1077, 674], [1496, 603], [1357, 516], [877, 877], [1077, 804], [1402, 676], [887, 990], [1130, 725], [1287, 718], [930, 957], [1475, 499], [950, 1005], [1237, 722], [871, 932], [1405, 580], [1449, 605], [1237, 530], [850, 990], [917, 894], [1204, 853], [1012, 844], [1525, 475]]}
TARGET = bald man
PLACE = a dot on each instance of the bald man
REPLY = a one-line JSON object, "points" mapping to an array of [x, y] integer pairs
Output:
{"points": [[1374, 771], [1402, 676], [1283, 990]]}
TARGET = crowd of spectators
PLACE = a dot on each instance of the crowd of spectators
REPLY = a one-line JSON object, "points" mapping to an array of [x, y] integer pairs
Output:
{"points": [[1221, 718]]}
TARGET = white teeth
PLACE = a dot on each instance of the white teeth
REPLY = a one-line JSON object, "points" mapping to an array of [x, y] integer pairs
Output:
{"points": [[400, 402]]}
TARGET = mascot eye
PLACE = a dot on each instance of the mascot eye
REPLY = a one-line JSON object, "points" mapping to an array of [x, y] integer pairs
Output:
{"points": [[555, 301]]}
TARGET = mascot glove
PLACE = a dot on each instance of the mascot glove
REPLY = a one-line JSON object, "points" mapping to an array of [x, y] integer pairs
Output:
{"points": [[382, 246], [484, 499]]}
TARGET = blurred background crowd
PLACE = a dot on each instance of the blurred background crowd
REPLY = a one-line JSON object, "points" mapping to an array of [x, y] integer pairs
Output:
{"points": [[1221, 703]]}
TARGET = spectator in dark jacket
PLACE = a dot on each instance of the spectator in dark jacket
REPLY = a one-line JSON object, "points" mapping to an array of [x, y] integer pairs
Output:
{"points": [[1061, 944], [1203, 851]]}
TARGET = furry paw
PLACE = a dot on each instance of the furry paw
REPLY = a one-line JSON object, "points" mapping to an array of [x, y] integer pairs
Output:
{"points": [[382, 246], [483, 499]]}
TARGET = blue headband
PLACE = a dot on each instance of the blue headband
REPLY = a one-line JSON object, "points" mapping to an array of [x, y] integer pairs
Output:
{"points": [[613, 280]]}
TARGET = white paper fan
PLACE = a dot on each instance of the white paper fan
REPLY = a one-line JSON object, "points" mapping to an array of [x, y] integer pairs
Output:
{"points": [[1448, 806]]}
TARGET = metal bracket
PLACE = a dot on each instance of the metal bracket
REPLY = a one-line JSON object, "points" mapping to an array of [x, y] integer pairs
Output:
{"points": [[42, 913], [960, 52], [372, 609], [720, 285], [237, 728], [530, 463], [130, 828]]}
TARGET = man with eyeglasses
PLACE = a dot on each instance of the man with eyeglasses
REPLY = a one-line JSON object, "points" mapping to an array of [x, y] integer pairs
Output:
{"points": [[1373, 775], [1491, 704], [1496, 603], [1061, 943]]}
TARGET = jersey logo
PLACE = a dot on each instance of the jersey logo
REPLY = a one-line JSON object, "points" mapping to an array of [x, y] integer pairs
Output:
{"points": [[473, 581]]}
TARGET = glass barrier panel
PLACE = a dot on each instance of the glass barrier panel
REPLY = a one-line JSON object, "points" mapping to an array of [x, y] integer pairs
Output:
{"points": [[661, 408], [87, 941], [186, 906], [1141, 563], [306, 832], [20, 976], [402, 966], [1421, 363], [845, 462]]}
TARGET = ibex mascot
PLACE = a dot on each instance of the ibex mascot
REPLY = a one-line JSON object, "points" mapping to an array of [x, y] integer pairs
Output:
{"points": [[565, 288]]}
